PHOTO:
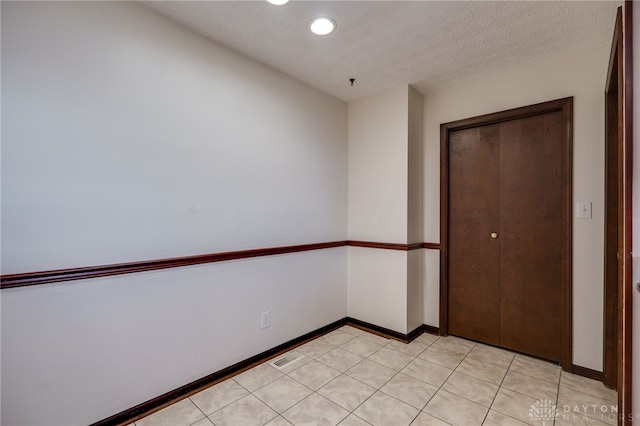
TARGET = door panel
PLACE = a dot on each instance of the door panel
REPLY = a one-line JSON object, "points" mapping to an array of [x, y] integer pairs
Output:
{"points": [[474, 257], [531, 235], [506, 178]]}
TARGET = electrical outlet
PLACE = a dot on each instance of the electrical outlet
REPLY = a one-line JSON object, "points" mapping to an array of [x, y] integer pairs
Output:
{"points": [[265, 319]]}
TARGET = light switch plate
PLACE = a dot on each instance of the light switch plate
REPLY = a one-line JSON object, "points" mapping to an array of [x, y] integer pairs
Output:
{"points": [[583, 210]]}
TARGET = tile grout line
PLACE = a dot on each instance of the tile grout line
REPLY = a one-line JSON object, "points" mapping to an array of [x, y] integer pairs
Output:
{"points": [[445, 381], [500, 386], [439, 387], [523, 394], [362, 332], [199, 409], [341, 373], [379, 389], [278, 414], [442, 384], [557, 398], [498, 391], [351, 412], [546, 364], [400, 371]]}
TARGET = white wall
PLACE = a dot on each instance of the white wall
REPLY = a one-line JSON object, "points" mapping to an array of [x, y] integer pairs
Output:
{"points": [[126, 137], [415, 175], [378, 149], [431, 292], [636, 210], [580, 74], [415, 212], [385, 205], [415, 290], [377, 290], [378, 185]]}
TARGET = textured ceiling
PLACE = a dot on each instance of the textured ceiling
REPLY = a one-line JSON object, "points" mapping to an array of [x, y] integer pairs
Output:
{"points": [[384, 44]]}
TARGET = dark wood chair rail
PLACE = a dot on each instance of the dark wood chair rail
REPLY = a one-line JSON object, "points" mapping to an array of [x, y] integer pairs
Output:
{"points": [[71, 274]]}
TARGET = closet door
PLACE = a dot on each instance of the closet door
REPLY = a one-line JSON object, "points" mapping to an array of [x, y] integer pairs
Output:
{"points": [[474, 293], [531, 235], [504, 246]]}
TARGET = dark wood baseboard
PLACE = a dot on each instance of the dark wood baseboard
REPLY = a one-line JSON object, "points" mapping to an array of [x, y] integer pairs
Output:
{"points": [[385, 332], [587, 372], [142, 410], [412, 335], [431, 329]]}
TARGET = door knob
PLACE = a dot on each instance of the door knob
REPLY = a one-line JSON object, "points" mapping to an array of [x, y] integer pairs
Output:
{"points": [[494, 235]]}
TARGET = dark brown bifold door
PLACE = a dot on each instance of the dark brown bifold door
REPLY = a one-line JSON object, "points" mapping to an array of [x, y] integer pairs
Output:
{"points": [[505, 234], [531, 235], [474, 197]]}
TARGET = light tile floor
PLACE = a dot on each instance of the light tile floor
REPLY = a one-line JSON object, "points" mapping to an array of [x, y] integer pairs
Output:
{"points": [[353, 378]]}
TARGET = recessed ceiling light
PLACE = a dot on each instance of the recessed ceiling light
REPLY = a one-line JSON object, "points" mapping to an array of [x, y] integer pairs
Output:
{"points": [[322, 26], [278, 2]]}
